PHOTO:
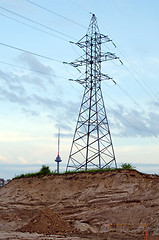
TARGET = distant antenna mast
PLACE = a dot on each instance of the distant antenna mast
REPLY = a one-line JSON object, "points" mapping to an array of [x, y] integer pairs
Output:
{"points": [[58, 159], [92, 143]]}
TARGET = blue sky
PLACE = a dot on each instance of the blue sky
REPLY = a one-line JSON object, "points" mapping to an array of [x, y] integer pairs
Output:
{"points": [[35, 103]]}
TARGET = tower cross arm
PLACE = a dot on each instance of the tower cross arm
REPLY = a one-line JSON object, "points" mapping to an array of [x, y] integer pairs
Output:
{"points": [[105, 38], [80, 81], [109, 56], [105, 77], [78, 62], [81, 43]]}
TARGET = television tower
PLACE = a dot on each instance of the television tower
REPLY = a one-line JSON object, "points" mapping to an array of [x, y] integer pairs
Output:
{"points": [[92, 143], [58, 159]]}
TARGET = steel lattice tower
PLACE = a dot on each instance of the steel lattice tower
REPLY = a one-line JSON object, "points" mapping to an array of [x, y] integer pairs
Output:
{"points": [[92, 144]]}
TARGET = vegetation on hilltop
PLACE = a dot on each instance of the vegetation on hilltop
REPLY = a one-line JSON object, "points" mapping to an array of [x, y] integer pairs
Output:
{"points": [[45, 170]]}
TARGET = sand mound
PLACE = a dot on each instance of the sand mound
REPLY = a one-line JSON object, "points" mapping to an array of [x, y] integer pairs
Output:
{"points": [[115, 204], [47, 222]]}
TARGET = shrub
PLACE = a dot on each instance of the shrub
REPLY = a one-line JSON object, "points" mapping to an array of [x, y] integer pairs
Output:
{"points": [[44, 170], [126, 166]]}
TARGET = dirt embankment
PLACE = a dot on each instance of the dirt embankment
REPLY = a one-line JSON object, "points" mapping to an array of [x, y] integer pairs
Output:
{"points": [[104, 205]]}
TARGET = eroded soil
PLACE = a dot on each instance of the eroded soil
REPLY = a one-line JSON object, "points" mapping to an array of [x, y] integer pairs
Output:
{"points": [[112, 205]]}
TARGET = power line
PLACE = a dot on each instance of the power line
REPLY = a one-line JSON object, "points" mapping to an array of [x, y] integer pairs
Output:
{"points": [[86, 10], [57, 76], [36, 54], [130, 64], [145, 83], [140, 84], [143, 127], [57, 14], [127, 94], [138, 105], [138, 129], [35, 22], [32, 70], [131, 98], [142, 87], [134, 126], [28, 25]]}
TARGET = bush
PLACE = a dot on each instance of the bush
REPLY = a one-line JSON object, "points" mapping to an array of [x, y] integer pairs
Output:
{"points": [[44, 170], [126, 166]]}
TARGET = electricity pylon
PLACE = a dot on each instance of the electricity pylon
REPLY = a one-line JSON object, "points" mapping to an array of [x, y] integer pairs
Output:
{"points": [[92, 143]]}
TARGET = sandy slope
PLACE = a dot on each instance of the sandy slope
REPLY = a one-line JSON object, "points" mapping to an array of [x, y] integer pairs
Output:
{"points": [[104, 205]]}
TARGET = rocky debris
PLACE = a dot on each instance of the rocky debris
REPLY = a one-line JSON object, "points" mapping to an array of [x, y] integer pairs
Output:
{"points": [[47, 222]]}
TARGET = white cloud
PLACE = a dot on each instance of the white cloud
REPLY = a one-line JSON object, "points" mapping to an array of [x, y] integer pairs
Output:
{"points": [[3, 159], [16, 138], [22, 160], [135, 122], [35, 64]]}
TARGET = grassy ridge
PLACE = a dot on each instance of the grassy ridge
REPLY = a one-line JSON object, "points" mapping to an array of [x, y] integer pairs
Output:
{"points": [[45, 170]]}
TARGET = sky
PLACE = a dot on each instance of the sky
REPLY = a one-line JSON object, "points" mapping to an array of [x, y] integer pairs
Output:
{"points": [[37, 98]]}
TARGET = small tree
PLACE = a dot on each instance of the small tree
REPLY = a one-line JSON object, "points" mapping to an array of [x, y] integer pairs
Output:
{"points": [[44, 170], [126, 166]]}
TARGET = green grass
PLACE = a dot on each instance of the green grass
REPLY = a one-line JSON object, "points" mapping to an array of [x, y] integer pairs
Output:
{"points": [[92, 170], [45, 170]]}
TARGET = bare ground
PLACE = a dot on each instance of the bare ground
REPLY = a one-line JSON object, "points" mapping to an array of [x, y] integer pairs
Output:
{"points": [[112, 205]]}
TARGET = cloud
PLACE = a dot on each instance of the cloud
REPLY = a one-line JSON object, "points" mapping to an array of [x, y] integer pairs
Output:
{"points": [[42, 70], [47, 102], [13, 97], [28, 80], [16, 89], [33, 93], [35, 64], [134, 122], [22, 160], [37, 96], [29, 112], [11, 81], [64, 135], [66, 117], [3, 159], [62, 124], [31, 101]]}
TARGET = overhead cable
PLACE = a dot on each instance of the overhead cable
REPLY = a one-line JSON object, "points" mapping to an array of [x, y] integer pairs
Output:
{"points": [[134, 69], [35, 54], [57, 14], [28, 25], [35, 22], [131, 65], [86, 10], [143, 127], [149, 87], [130, 123], [130, 97], [32, 70], [142, 87]]}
